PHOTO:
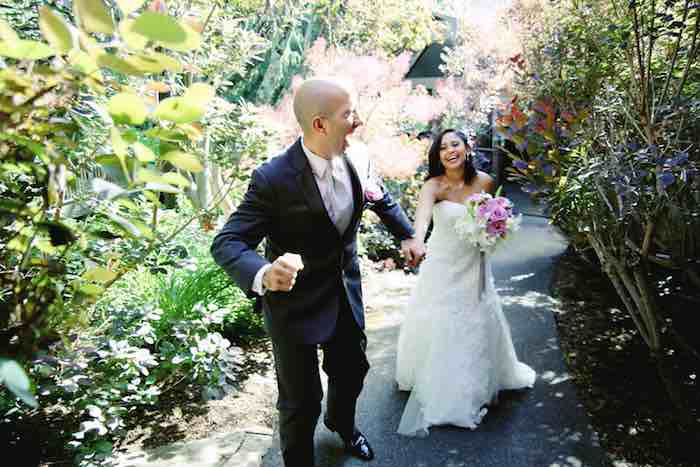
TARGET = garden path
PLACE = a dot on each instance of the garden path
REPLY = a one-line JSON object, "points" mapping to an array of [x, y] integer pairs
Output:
{"points": [[543, 427]]}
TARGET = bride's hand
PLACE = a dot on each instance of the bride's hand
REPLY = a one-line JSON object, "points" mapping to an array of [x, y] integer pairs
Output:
{"points": [[413, 250]]}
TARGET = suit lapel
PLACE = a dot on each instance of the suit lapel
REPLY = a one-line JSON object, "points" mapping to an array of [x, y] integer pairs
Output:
{"points": [[357, 197], [308, 185]]}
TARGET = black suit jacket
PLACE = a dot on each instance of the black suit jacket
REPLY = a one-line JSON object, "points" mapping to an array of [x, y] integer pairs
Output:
{"points": [[284, 206]]}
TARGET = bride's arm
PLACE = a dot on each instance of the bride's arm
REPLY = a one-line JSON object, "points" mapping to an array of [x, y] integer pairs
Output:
{"points": [[424, 210]]}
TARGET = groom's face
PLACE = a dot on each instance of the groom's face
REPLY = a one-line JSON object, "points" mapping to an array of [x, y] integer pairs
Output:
{"points": [[341, 123]]}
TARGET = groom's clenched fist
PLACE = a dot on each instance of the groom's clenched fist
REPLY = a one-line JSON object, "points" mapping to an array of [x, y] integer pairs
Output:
{"points": [[281, 276]]}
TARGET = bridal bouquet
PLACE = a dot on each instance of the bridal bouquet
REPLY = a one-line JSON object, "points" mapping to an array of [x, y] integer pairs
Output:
{"points": [[488, 222]]}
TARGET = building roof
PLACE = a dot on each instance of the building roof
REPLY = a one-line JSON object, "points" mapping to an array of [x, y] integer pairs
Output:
{"points": [[427, 64]]}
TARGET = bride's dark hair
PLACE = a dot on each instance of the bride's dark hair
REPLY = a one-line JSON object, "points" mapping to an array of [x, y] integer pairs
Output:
{"points": [[435, 167]]}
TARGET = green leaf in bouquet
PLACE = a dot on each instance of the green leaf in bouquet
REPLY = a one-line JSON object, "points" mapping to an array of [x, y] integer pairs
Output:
{"points": [[55, 30], [127, 108], [183, 161], [16, 381], [26, 50], [167, 31], [93, 15]]}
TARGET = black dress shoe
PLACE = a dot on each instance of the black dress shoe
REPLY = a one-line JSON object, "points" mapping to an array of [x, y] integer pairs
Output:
{"points": [[357, 445]]}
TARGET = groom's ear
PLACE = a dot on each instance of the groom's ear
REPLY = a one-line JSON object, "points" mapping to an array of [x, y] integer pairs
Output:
{"points": [[318, 125]]}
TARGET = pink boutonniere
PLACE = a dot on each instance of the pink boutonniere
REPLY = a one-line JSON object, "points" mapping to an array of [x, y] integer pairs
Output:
{"points": [[374, 194]]}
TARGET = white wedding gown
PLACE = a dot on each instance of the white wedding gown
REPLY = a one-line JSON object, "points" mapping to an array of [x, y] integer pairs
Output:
{"points": [[455, 351]]}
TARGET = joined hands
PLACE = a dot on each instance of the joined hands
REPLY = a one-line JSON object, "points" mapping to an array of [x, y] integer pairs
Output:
{"points": [[413, 250]]}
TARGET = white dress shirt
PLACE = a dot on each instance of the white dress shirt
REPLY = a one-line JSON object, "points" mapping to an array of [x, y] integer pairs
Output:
{"points": [[337, 198]]}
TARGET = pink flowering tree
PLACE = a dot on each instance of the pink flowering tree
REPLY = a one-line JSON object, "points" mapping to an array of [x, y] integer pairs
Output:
{"points": [[479, 75], [391, 109]]}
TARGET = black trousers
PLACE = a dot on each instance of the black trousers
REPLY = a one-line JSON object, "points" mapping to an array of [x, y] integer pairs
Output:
{"points": [[300, 392]]}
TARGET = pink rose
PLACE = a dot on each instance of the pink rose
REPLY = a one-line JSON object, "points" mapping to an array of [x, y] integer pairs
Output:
{"points": [[499, 214], [504, 202], [484, 211]]}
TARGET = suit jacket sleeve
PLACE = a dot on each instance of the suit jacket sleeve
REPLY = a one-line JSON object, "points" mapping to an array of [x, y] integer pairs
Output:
{"points": [[389, 211], [234, 246]]}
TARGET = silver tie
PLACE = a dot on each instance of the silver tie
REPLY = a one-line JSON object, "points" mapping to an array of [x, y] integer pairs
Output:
{"points": [[338, 196]]}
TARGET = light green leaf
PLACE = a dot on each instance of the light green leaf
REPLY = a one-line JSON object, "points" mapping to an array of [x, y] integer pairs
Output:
{"points": [[127, 108], [99, 274], [118, 64], [93, 15], [126, 203], [45, 247], [179, 110], [84, 63], [119, 146], [183, 161], [143, 153], [167, 135], [130, 38], [152, 197], [15, 379], [175, 178], [166, 31], [26, 50], [55, 30], [91, 289], [7, 33], [129, 6], [153, 62], [200, 92], [148, 176]]}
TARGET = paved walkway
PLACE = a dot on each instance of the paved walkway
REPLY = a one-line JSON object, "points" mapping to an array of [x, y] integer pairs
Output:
{"points": [[543, 427]]}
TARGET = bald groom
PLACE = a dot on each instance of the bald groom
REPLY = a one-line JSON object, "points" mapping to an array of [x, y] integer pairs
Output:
{"points": [[307, 204]]}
